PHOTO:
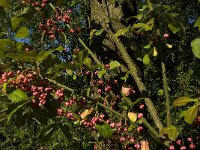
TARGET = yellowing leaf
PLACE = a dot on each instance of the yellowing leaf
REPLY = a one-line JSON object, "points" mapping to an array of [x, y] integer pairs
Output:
{"points": [[171, 131], [169, 46], [23, 32], [86, 112], [154, 51], [92, 32], [132, 116]]}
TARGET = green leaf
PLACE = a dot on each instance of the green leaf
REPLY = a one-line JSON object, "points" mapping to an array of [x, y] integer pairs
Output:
{"points": [[182, 114], [181, 101], [146, 59], [18, 95], [104, 130], [173, 28], [195, 44], [23, 32], [99, 32], [160, 92], [148, 46], [101, 73], [114, 64], [171, 131], [191, 114], [197, 23], [132, 116], [88, 62], [43, 55]]}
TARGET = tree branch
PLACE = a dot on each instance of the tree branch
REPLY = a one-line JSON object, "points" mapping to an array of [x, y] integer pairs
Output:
{"points": [[132, 67]]}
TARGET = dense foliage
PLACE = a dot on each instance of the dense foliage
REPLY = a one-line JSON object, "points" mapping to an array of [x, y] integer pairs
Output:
{"points": [[128, 78]]}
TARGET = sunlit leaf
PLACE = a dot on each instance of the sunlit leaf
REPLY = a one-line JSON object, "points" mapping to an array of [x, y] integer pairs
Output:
{"points": [[181, 101], [191, 114], [197, 23], [18, 95], [195, 44], [146, 59], [132, 116], [114, 64], [101, 73]]}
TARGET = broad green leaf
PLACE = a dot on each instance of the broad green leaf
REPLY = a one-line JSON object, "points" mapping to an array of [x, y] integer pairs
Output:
{"points": [[104, 130], [191, 114], [146, 59], [114, 64], [171, 131], [132, 116], [88, 62], [101, 73], [197, 23], [181, 101], [122, 31], [22, 32], [18, 95], [173, 28], [195, 44]]}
